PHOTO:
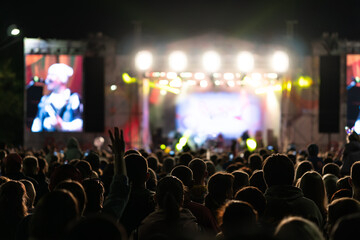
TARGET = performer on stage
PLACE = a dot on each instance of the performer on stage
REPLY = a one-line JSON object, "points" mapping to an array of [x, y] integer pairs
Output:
{"points": [[60, 110]]}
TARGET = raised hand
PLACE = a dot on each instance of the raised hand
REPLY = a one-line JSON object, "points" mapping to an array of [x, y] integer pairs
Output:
{"points": [[118, 149]]}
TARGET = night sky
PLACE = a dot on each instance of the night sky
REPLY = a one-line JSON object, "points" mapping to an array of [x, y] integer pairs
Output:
{"points": [[263, 20]]}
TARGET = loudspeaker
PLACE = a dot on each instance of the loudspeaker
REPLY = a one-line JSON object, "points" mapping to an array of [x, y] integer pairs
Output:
{"points": [[94, 94], [329, 94]]}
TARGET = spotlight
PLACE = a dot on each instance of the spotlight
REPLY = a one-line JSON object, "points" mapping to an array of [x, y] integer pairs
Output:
{"points": [[211, 61], [13, 30], [178, 61], [280, 61], [204, 83], [143, 60], [245, 61]]}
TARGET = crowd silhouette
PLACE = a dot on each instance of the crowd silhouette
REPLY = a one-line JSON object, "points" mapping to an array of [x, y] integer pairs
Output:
{"points": [[135, 194]]}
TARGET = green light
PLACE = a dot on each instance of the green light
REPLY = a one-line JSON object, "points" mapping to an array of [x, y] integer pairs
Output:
{"points": [[251, 144], [163, 146], [36, 78]]}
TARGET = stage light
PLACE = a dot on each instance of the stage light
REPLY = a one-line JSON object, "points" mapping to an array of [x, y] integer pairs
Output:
{"points": [[251, 144], [191, 82], [231, 83], [255, 79], [113, 87], [171, 75], [304, 81], [280, 61], [177, 61], [163, 92], [229, 76], [177, 82], [217, 75], [217, 82], [163, 82], [186, 74], [162, 146], [245, 61], [211, 61], [204, 83], [199, 75], [143, 60], [272, 75], [288, 86], [13, 30], [127, 79]]}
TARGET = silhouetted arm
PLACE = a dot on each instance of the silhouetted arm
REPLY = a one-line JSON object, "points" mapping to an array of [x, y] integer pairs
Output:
{"points": [[119, 188]]}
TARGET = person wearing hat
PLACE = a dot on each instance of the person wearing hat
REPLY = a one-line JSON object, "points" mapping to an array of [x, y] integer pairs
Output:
{"points": [[60, 110]]}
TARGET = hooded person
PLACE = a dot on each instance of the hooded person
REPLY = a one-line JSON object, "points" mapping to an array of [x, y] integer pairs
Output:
{"points": [[73, 150], [60, 110]]}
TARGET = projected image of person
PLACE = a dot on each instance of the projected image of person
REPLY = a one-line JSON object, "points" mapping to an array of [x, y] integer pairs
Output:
{"points": [[60, 110]]}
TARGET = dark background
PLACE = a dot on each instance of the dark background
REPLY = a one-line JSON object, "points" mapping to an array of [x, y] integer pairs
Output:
{"points": [[255, 20]]}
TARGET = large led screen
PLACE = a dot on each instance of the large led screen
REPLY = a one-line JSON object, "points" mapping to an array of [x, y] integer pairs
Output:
{"points": [[353, 91], [53, 86], [212, 113]]}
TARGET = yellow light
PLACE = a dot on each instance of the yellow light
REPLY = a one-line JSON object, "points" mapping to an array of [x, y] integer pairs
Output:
{"points": [[277, 87], [288, 86], [251, 144], [162, 146], [304, 81], [127, 79], [178, 147]]}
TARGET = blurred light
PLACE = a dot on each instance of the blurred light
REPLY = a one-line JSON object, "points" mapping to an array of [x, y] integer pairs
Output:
{"points": [[113, 87], [177, 61], [166, 88], [231, 83], [178, 146], [272, 75], [256, 76], [191, 82], [162, 146], [288, 86], [171, 75], [229, 76], [280, 61], [217, 82], [127, 79], [177, 82], [36, 78], [186, 74], [211, 61], [204, 83], [217, 75], [245, 61], [13, 30], [155, 74], [304, 81], [199, 75], [163, 92], [163, 82], [251, 144], [255, 79], [143, 60]]}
